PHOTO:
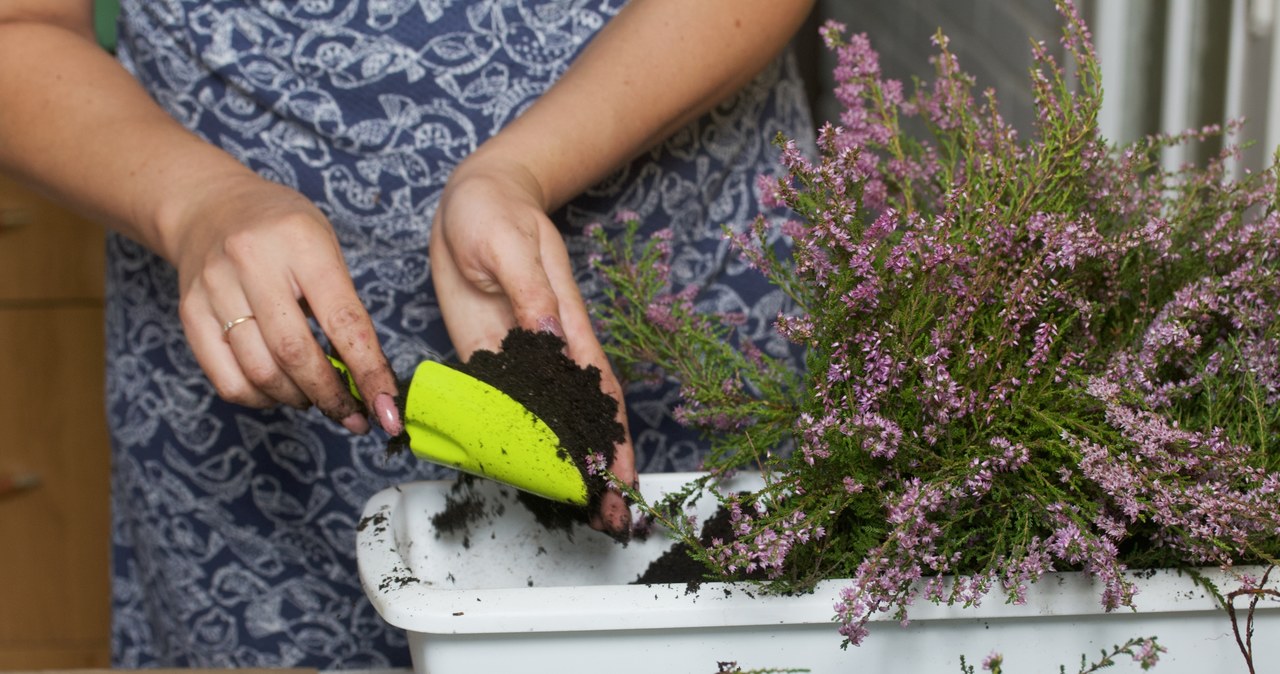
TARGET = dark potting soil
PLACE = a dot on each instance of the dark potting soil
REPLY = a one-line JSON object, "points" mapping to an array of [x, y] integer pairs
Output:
{"points": [[462, 507], [678, 565]]}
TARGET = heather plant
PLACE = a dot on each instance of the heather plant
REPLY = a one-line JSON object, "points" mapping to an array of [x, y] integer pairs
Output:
{"points": [[1021, 355]]}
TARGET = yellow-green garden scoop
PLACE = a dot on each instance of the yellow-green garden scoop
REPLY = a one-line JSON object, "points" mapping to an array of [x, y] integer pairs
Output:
{"points": [[456, 420]]}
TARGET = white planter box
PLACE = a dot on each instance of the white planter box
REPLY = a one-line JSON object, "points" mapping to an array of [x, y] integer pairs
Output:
{"points": [[515, 597]]}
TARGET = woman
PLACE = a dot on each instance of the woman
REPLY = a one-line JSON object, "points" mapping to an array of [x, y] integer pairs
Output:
{"points": [[371, 177]]}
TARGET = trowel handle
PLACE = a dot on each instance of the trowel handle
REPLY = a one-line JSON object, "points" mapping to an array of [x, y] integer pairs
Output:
{"points": [[345, 373]]}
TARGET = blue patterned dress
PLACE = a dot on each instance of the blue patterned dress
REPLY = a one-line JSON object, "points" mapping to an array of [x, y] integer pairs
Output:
{"points": [[233, 529]]}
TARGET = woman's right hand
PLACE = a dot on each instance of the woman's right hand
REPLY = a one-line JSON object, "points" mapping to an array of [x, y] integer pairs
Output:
{"points": [[245, 247], [79, 126]]}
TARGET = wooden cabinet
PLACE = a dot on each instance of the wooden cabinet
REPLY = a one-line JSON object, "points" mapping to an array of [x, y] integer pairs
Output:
{"points": [[54, 536]]}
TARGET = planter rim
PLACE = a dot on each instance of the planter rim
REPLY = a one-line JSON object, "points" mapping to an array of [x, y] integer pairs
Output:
{"points": [[400, 558]]}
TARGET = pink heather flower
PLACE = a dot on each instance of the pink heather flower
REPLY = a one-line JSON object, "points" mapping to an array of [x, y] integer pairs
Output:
{"points": [[1013, 455], [626, 216], [753, 354], [1077, 38], [749, 247], [597, 464], [1018, 572], [793, 158], [884, 225], [813, 436], [770, 194], [731, 386], [662, 239], [1199, 487], [660, 316], [798, 329], [833, 33], [794, 229], [1045, 335], [881, 437], [760, 548], [886, 576], [1148, 654]]}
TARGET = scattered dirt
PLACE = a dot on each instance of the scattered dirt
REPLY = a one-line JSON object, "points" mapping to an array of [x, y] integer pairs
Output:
{"points": [[677, 564], [377, 520], [461, 507], [556, 516], [464, 507]]}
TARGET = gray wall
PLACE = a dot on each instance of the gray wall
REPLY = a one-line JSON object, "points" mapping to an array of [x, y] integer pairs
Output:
{"points": [[991, 39]]}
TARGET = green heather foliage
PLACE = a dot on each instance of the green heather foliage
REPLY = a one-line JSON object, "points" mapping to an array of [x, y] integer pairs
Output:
{"points": [[1021, 355]]}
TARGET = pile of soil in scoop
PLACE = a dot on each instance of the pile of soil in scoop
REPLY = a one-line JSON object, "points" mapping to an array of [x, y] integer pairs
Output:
{"points": [[533, 369]]}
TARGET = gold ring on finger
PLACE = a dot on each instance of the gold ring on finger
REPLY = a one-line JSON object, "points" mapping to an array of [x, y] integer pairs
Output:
{"points": [[226, 327]]}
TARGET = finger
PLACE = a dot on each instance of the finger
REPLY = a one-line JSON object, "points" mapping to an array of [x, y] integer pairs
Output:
{"points": [[204, 334], [584, 348], [278, 351], [525, 281], [259, 364], [240, 331], [614, 517], [475, 319], [325, 285], [295, 366]]}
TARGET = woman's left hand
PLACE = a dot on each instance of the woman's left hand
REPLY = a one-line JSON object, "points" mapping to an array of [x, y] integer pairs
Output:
{"points": [[497, 261]]}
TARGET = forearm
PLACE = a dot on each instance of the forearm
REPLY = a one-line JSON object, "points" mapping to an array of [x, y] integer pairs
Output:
{"points": [[77, 125], [655, 68]]}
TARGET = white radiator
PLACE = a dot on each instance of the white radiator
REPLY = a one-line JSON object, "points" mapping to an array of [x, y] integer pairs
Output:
{"points": [[1217, 56]]}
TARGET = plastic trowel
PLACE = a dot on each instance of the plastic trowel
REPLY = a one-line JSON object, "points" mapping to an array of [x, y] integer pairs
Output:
{"points": [[456, 420]]}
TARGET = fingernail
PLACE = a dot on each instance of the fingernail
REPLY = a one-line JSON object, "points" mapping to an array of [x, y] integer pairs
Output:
{"points": [[384, 407], [551, 324], [356, 423], [621, 527], [616, 518]]}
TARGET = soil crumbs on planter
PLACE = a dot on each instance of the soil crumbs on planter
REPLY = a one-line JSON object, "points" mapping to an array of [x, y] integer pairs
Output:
{"points": [[678, 565], [463, 507]]}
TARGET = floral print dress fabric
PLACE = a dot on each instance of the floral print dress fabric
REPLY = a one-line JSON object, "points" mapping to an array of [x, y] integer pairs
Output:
{"points": [[233, 529]]}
